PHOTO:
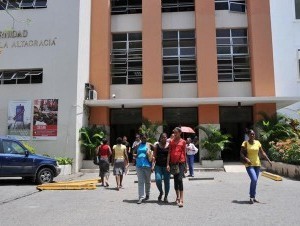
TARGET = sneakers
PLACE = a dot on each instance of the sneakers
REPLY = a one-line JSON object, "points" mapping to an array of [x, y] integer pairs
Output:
{"points": [[140, 201], [166, 199], [147, 197], [253, 200]]}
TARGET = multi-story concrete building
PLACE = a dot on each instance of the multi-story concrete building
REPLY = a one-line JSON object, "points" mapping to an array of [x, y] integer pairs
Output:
{"points": [[182, 62], [286, 50], [44, 54]]}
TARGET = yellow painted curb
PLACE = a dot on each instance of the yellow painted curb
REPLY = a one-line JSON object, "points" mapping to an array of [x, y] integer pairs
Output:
{"points": [[89, 184], [271, 176]]}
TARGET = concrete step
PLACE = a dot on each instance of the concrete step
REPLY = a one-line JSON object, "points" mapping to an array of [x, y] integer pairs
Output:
{"points": [[132, 169]]}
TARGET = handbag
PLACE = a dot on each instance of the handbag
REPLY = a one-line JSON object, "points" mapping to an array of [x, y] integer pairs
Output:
{"points": [[174, 169], [96, 160], [243, 154]]}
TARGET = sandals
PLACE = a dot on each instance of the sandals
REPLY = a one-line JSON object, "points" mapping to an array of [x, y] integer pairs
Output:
{"points": [[180, 205]]}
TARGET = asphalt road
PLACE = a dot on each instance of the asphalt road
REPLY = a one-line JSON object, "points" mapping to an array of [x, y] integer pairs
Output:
{"points": [[222, 201]]}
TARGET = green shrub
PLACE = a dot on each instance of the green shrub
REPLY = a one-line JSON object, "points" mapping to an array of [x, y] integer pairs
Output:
{"points": [[64, 160], [30, 148], [287, 151]]}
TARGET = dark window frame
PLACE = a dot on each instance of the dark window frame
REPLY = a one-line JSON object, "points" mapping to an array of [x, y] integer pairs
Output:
{"points": [[233, 66], [236, 6], [127, 58], [126, 7], [27, 76], [183, 71], [177, 5]]}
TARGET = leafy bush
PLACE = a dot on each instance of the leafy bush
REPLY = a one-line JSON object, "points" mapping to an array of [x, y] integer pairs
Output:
{"points": [[30, 148], [90, 138], [150, 129], [214, 142], [287, 151], [274, 128], [64, 160]]}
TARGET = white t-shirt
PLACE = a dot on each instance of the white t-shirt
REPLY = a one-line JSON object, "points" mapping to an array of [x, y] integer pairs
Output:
{"points": [[191, 149]]}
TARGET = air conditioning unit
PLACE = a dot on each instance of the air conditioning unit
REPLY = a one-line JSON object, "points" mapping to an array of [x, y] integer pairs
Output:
{"points": [[92, 95]]}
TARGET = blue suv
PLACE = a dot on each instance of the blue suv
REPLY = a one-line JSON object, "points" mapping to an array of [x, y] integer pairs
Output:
{"points": [[17, 161]]}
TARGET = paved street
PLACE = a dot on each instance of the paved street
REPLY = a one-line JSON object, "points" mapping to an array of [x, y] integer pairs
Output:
{"points": [[222, 201]]}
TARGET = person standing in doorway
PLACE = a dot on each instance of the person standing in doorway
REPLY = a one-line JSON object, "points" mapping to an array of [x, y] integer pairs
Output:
{"points": [[104, 152], [119, 161], [128, 148], [177, 156], [143, 169], [159, 164], [134, 147], [191, 150], [250, 154]]}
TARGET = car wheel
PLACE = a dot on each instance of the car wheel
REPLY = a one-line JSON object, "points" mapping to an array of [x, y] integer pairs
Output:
{"points": [[44, 175]]}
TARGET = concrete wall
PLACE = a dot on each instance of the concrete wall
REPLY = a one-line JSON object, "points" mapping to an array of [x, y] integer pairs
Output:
{"points": [[59, 22]]}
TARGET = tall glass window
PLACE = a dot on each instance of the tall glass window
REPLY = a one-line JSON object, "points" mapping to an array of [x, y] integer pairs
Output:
{"points": [[233, 55], [177, 5], [231, 5], [179, 56], [297, 9], [126, 58], [126, 7]]}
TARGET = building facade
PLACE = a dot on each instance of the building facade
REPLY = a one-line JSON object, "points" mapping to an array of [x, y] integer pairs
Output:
{"points": [[44, 61], [286, 51], [182, 63]]}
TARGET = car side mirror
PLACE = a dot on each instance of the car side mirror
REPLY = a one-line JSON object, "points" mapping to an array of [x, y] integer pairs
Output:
{"points": [[26, 153]]}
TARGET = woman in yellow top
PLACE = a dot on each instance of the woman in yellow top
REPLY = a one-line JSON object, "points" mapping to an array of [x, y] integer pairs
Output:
{"points": [[119, 159], [250, 154]]}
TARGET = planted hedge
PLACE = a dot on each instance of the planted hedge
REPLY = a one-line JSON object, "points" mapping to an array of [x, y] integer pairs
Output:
{"points": [[287, 151]]}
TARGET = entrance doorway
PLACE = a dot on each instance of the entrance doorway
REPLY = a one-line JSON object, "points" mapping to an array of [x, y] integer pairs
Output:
{"points": [[124, 122], [234, 121], [174, 117]]}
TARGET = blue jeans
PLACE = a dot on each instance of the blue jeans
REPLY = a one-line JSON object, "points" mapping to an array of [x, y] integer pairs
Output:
{"points": [[190, 160], [253, 172], [161, 173]]}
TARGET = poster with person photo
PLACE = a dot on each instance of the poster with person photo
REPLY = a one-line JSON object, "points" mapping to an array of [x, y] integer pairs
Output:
{"points": [[19, 119], [45, 119]]}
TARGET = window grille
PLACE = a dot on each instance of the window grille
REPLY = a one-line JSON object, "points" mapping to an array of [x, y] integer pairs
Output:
{"points": [[233, 55], [126, 58], [24, 76], [179, 57]]}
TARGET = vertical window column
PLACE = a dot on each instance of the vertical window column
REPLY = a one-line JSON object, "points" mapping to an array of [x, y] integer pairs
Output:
{"points": [[179, 57], [126, 58]]}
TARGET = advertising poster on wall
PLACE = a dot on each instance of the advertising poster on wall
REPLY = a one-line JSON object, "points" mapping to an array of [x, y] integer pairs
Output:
{"points": [[45, 119], [19, 119]]}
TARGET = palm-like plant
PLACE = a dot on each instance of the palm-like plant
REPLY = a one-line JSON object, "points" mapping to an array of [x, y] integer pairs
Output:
{"points": [[150, 129], [273, 128], [214, 142], [90, 139]]}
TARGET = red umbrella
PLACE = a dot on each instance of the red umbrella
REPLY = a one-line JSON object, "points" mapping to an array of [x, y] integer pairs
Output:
{"points": [[186, 129]]}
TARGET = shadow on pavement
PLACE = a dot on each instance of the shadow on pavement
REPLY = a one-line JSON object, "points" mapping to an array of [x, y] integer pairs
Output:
{"points": [[240, 202], [18, 182], [152, 202]]}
